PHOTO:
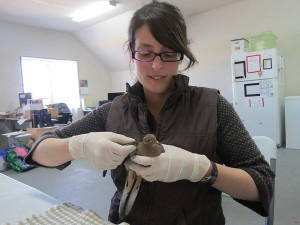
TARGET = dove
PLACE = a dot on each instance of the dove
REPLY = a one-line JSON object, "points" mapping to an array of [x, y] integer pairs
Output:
{"points": [[148, 147]]}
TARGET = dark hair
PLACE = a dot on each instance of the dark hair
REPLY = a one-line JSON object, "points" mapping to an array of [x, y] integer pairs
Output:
{"points": [[166, 24]]}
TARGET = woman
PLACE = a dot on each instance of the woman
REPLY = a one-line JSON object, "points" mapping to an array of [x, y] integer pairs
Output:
{"points": [[207, 149]]}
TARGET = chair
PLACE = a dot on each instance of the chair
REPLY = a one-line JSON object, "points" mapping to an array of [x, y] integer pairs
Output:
{"points": [[268, 148]]}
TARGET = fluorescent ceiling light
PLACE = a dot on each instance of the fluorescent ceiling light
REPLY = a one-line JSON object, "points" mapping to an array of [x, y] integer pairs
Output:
{"points": [[92, 10]]}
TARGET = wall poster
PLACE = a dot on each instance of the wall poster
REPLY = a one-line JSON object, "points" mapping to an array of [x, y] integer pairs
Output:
{"points": [[253, 63], [84, 89]]}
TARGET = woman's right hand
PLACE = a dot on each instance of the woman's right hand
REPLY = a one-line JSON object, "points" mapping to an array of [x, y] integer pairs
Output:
{"points": [[105, 150]]}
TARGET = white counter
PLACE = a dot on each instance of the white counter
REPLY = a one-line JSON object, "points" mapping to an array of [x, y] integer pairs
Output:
{"points": [[19, 201]]}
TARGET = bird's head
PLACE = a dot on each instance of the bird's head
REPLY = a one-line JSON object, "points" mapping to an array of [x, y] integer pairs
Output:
{"points": [[149, 139], [149, 146]]}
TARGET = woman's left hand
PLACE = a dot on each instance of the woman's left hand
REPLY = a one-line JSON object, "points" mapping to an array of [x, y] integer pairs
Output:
{"points": [[172, 165]]}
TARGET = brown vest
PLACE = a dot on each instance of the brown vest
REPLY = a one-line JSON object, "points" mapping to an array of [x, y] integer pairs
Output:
{"points": [[188, 120]]}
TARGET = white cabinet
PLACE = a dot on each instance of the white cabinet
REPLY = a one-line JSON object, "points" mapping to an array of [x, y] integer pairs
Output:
{"points": [[292, 122]]}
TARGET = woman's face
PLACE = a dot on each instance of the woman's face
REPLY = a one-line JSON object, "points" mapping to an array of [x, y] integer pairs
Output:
{"points": [[155, 76]]}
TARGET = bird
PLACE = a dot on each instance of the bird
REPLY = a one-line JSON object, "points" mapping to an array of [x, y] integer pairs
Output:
{"points": [[148, 147]]}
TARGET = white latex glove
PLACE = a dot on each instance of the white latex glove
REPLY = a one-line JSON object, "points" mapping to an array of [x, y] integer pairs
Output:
{"points": [[105, 150], [172, 165]]}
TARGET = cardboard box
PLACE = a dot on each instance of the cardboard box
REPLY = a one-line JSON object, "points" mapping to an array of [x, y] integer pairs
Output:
{"points": [[28, 114], [37, 132], [239, 45], [17, 138], [53, 112], [34, 104]]}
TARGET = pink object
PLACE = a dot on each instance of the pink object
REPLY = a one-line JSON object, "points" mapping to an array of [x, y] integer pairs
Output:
{"points": [[21, 151]]}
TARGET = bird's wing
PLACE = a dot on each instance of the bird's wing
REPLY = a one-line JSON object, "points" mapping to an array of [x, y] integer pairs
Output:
{"points": [[133, 182], [133, 194], [129, 194]]}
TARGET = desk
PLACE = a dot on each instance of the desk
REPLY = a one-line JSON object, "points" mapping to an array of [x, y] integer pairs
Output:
{"points": [[19, 201]]}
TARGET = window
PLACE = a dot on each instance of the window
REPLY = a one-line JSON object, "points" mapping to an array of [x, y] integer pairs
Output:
{"points": [[55, 81]]}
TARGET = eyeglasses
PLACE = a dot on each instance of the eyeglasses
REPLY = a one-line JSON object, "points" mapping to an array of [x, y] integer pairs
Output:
{"points": [[144, 56]]}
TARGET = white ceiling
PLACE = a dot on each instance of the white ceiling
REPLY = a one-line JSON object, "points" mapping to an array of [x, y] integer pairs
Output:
{"points": [[55, 14]]}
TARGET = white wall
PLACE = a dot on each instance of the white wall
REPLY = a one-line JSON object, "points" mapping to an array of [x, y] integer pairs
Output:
{"points": [[211, 32], [119, 79], [18, 40]]}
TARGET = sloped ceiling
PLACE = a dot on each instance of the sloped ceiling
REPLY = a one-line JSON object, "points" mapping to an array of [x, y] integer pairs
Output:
{"points": [[106, 40], [105, 35]]}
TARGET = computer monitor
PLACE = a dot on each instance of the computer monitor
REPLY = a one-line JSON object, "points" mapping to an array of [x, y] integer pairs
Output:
{"points": [[23, 97], [112, 95]]}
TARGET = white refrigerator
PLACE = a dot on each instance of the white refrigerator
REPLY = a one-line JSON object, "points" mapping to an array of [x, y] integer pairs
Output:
{"points": [[258, 92]]}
